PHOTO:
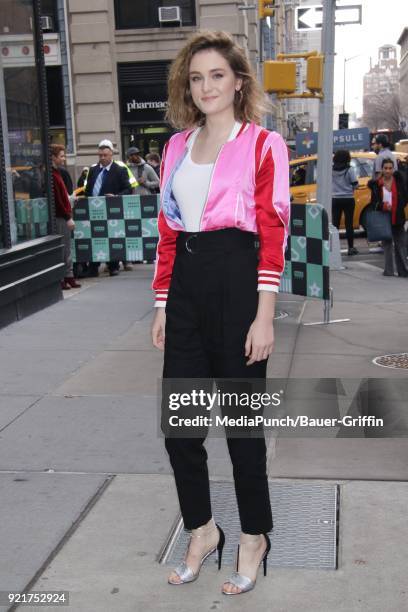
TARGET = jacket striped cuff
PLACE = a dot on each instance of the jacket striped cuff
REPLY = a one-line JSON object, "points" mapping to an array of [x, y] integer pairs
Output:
{"points": [[268, 280], [161, 298]]}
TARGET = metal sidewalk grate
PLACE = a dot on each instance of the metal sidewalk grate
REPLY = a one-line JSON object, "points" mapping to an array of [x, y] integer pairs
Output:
{"points": [[305, 518], [398, 361]]}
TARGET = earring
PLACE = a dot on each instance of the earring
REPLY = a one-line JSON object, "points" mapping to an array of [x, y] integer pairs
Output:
{"points": [[241, 95]]}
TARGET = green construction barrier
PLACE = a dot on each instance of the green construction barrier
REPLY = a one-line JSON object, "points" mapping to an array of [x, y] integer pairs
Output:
{"points": [[119, 228], [307, 253], [124, 228]]}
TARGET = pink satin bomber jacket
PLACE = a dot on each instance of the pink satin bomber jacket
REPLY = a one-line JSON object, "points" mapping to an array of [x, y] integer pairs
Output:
{"points": [[249, 190]]}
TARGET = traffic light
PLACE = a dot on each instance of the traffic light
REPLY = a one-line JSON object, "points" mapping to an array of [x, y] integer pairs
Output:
{"points": [[280, 77], [265, 8], [314, 73], [343, 121]]}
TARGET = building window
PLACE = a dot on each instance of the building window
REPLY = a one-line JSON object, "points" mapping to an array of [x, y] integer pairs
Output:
{"points": [[49, 20], [145, 13], [56, 108]]}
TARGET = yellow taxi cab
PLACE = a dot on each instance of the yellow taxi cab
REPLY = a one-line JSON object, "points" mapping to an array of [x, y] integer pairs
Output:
{"points": [[303, 187]]}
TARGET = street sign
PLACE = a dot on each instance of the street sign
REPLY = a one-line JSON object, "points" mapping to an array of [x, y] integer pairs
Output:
{"points": [[355, 139], [310, 17]]}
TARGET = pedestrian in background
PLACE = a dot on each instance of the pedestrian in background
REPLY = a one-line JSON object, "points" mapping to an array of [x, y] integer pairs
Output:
{"points": [[154, 160], [82, 177], [344, 182], [63, 211], [388, 194], [143, 172], [108, 178], [382, 148], [66, 177]]}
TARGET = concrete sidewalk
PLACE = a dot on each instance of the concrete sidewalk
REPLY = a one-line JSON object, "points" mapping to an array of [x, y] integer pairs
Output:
{"points": [[87, 492]]}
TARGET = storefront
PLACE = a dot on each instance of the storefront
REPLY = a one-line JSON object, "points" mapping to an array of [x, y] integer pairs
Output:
{"points": [[143, 102], [30, 252]]}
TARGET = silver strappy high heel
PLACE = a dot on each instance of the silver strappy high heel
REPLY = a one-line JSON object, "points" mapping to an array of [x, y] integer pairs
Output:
{"points": [[243, 582], [185, 572]]}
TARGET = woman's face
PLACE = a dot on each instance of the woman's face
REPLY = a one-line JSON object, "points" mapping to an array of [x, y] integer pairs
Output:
{"points": [[387, 170], [59, 160], [213, 84]]}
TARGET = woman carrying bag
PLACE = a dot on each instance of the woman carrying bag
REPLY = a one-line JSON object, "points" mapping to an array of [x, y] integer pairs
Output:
{"points": [[224, 179], [388, 194]]}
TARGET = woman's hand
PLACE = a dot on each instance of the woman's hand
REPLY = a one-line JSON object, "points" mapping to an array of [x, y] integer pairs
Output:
{"points": [[259, 341], [260, 337], [158, 328]]}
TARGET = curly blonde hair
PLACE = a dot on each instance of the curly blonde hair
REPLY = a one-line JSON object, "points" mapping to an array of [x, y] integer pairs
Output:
{"points": [[182, 113]]}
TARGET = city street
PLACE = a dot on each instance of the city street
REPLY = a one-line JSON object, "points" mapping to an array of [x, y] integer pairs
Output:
{"points": [[88, 495]]}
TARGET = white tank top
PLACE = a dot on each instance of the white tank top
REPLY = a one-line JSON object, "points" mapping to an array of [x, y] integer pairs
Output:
{"points": [[387, 197], [191, 184]]}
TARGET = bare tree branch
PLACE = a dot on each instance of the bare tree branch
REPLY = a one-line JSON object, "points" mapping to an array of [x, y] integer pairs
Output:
{"points": [[383, 110]]}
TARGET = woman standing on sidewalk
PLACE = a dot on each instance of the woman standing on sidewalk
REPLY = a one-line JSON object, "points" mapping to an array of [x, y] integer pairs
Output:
{"points": [[344, 182], [63, 214], [224, 179], [388, 194]]}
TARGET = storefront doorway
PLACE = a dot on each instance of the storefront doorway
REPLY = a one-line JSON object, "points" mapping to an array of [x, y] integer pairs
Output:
{"points": [[143, 103], [147, 138]]}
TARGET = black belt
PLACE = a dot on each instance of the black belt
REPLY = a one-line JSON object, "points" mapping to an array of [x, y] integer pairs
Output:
{"points": [[227, 240]]}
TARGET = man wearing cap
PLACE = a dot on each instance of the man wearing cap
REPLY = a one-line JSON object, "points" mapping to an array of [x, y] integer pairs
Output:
{"points": [[144, 173], [108, 178]]}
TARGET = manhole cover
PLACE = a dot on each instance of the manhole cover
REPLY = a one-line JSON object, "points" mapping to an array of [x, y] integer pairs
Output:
{"points": [[398, 361]]}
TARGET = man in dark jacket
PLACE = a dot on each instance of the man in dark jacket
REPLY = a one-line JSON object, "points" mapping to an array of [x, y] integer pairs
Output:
{"points": [[107, 178]]}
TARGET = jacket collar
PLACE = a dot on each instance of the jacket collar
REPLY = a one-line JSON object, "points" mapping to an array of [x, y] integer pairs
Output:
{"points": [[241, 129]]}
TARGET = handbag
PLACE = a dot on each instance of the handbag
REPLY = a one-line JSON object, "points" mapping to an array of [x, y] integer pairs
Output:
{"points": [[378, 225]]}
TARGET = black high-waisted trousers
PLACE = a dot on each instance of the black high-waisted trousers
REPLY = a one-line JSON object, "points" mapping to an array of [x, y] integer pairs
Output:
{"points": [[212, 302]]}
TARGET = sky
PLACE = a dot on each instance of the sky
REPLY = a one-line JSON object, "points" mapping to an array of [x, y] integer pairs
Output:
{"points": [[382, 23]]}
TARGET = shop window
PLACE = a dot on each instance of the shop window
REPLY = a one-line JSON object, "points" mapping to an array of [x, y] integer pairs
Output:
{"points": [[145, 13], [15, 17], [22, 127], [149, 139]]}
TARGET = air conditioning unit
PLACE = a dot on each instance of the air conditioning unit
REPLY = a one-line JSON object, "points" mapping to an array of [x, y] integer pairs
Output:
{"points": [[47, 23], [169, 14]]}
